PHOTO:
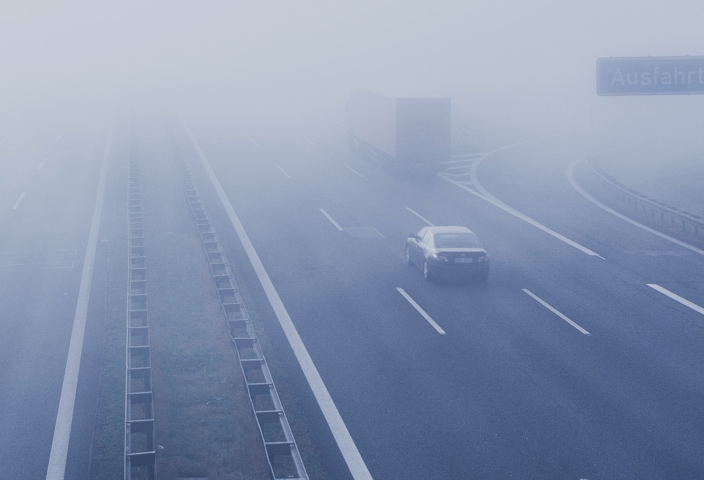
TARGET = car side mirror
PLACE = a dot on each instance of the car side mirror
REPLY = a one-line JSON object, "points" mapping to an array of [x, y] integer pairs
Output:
{"points": [[414, 236]]}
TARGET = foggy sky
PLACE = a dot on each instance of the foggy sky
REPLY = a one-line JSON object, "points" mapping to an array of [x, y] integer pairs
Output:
{"points": [[517, 62]]}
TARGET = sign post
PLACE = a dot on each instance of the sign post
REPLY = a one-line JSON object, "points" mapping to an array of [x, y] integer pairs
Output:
{"points": [[650, 76]]}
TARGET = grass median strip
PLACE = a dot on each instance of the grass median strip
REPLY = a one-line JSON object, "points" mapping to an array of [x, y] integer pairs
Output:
{"points": [[203, 419], [204, 423]]}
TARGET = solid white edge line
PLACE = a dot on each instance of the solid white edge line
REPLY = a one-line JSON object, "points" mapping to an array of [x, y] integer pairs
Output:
{"points": [[64, 416], [337, 225], [17, 203], [342, 436], [575, 185], [499, 203], [283, 171], [496, 202], [253, 142], [311, 142], [555, 311], [677, 298], [484, 194], [420, 216], [354, 171], [41, 164], [421, 311]]}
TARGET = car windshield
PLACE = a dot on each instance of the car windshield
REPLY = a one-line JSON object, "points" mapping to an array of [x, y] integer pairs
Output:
{"points": [[456, 240]]}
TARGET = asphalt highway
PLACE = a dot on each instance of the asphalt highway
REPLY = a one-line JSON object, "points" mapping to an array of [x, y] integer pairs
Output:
{"points": [[581, 358], [49, 184], [566, 365]]}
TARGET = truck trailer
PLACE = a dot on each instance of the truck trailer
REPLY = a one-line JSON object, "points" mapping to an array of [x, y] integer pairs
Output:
{"points": [[401, 134]]}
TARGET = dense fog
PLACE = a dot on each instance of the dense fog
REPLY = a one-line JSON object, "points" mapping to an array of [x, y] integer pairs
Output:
{"points": [[521, 69], [263, 225]]}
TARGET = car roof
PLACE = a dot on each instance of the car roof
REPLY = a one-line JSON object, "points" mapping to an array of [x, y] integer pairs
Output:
{"points": [[449, 229]]}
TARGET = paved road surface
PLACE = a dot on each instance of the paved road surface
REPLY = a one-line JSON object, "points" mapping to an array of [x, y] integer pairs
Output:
{"points": [[47, 194], [512, 390]]}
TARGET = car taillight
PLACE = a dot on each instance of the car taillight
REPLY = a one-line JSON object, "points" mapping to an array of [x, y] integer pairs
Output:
{"points": [[440, 257], [483, 258]]}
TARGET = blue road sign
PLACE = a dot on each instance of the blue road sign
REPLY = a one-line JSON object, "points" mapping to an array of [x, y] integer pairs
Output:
{"points": [[650, 75]]}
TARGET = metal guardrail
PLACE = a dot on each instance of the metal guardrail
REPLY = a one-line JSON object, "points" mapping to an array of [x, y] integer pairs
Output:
{"points": [[282, 453], [140, 454], [686, 222]]}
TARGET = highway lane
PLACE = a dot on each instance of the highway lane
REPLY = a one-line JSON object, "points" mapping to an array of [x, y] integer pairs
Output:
{"points": [[669, 332], [638, 256], [354, 322], [41, 254], [552, 205], [22, 157], [511, 389]]}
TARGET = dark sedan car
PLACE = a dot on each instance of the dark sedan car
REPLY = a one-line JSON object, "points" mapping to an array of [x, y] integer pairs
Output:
{"points": [[447, 251]]}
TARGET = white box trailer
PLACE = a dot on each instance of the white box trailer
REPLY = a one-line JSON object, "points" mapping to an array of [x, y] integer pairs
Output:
{"points": [[402, 134]]}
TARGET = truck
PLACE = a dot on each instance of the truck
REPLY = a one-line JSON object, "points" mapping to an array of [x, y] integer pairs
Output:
{"points": [[401, 134]]}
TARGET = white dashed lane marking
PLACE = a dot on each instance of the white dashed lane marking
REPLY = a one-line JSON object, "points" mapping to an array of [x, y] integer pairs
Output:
{"points": [[677, 298], [337, 225], [555, 311], [17, 203], [421, 311], [354, 171], [420, 216], [283, 171]]}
